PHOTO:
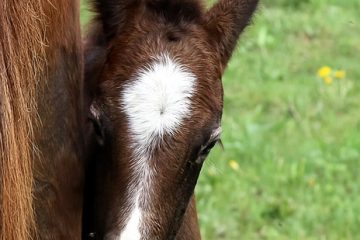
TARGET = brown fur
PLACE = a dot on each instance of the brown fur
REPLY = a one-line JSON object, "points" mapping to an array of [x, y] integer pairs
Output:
{"points": [[41, 164], [189, 229], [125, 36], [59, 172]]}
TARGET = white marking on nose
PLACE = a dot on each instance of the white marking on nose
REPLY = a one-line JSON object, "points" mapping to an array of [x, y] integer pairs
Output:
{"points": [[131, 230], [155, 103]]}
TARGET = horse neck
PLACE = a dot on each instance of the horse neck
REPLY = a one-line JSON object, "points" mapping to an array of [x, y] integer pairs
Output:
{"points": [[21, 53], [40, 132]]}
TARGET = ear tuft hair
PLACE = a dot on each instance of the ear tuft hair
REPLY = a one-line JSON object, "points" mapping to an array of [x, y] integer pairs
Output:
{"points": [[175, 11], [112, 14], [225, 22]]}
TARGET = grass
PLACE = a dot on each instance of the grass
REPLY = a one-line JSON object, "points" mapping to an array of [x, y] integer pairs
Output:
{"points": [[296, 139]]}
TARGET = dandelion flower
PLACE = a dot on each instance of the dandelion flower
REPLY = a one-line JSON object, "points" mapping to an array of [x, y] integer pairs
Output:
{"points": [[312, 182], [234, 165], [324, 71], [328, 80], [340, 74]]}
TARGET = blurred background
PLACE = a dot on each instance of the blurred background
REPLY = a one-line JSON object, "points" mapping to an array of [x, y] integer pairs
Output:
{"points": [[290, 167]]}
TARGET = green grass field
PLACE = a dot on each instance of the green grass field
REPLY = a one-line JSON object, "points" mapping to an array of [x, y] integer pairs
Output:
{"points": [[291, 164]]}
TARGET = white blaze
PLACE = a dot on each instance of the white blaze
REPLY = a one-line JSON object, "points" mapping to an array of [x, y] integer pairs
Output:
{"points": [[155, 103], [131, 230]]}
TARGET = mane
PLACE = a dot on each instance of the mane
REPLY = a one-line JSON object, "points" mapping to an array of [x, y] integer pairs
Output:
{"points": [[21, 63]]}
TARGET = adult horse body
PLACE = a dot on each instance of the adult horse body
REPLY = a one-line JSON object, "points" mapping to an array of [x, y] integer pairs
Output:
{"points": [[41, 137], [154, 68]]}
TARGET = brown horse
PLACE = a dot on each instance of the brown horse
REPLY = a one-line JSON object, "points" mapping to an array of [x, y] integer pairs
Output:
{"points": [[155, 67], [41, 120]]}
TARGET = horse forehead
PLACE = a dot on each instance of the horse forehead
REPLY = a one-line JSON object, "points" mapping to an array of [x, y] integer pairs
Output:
{"points": [[158, 98]]}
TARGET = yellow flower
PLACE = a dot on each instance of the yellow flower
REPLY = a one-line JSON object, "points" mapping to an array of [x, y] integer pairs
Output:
{"points": [[340, 74], [328, 80], [324, 71], [312, 182], [234, 165]]}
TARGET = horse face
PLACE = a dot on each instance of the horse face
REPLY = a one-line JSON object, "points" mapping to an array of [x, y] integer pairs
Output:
{"points": [[163, 96], [159, 106]]}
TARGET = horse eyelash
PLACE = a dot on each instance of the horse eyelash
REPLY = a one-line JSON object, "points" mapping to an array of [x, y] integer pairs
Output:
{"points": [[220, 144]]}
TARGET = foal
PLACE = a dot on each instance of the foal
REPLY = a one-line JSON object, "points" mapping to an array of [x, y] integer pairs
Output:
{"points": [[154, 67]]}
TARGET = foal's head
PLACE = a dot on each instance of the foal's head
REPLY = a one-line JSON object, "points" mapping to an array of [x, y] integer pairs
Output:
{"points": [[156, 66]]}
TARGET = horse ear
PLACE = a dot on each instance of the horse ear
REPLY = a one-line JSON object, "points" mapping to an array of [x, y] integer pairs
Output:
{"points": [[226, 20], [112, 14]]}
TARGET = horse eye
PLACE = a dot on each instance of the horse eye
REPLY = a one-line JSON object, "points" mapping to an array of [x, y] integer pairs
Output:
{"points": [[205, 150], [97, 128], [99, 132]]}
